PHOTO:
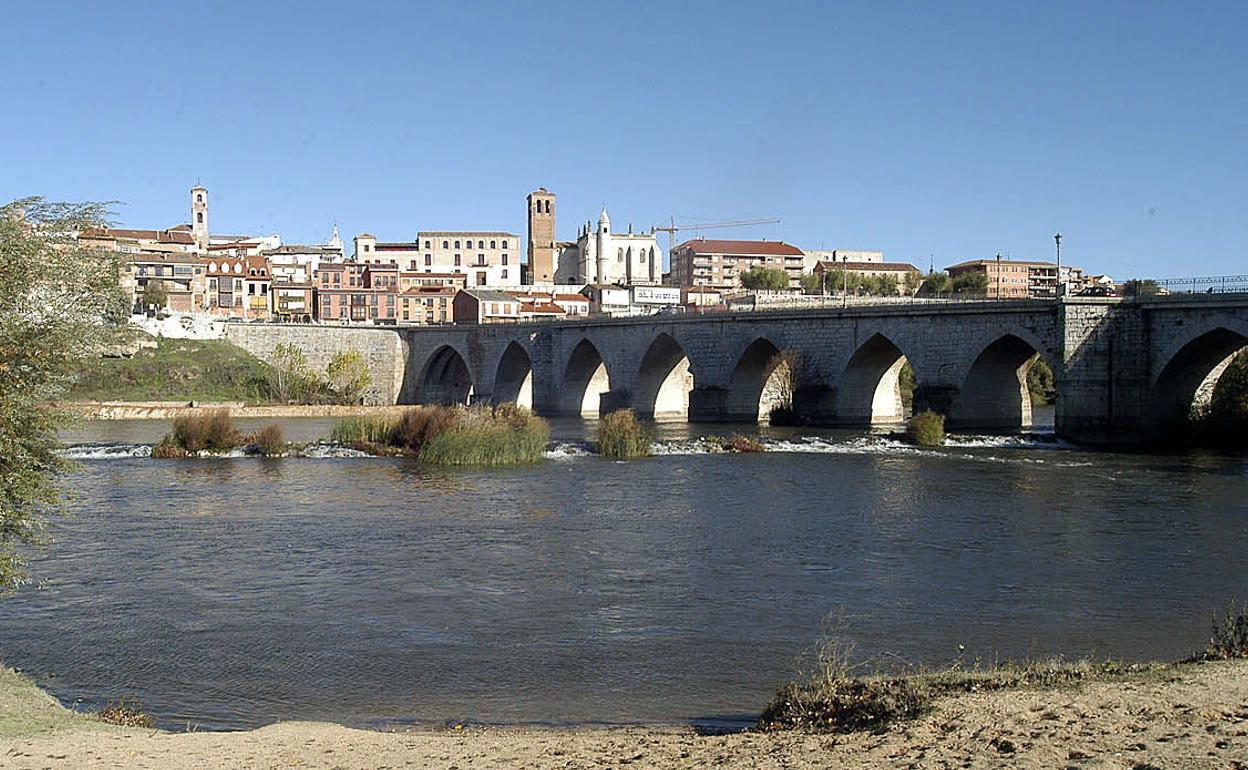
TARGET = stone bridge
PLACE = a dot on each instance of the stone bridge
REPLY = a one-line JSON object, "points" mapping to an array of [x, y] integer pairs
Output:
{"points": [[1126, 370]]}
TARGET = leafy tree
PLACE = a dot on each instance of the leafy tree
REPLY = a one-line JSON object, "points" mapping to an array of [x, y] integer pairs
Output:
{"points": [[58, 302], [812, 283], [291, 379], [970, 283], [935, 283], [348, 376], [1140, 288], [765, 278], [1040, 382], [155, 293]]}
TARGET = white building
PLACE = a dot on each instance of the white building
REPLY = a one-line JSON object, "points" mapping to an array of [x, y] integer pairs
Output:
{"points": [[815, 256], [623, 301], [601, 256], [485, 258]]}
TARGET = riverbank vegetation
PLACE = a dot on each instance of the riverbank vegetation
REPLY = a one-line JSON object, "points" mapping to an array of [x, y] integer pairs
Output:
{"points": [[829, 696], [213, 432], [60, 307], [620, 435], [926, 429], [479, 436]]}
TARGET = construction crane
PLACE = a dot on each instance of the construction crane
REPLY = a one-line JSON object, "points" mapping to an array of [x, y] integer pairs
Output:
{"points": [[672, 228]]}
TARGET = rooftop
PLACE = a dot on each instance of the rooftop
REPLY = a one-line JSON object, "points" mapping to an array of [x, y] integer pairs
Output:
{"points": [[763, 248]]}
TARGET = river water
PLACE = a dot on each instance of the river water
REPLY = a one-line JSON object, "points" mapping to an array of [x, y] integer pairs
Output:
{"points": [[228, 593]]}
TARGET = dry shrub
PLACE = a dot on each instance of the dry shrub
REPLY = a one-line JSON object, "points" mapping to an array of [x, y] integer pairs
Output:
{"points": [[270, 441], [1230, 635], [209, 431], [926, 429], [125, 714], [743, 444], [417, 426], [167, 450]]}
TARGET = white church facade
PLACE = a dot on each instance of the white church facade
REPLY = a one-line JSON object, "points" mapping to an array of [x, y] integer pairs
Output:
{"points": [[601, 256]]}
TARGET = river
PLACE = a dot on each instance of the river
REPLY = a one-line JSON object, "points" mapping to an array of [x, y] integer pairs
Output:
{"points": [[228, 593]]}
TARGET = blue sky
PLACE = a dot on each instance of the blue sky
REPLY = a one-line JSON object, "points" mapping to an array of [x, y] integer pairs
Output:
{"points": [[953, 130]]}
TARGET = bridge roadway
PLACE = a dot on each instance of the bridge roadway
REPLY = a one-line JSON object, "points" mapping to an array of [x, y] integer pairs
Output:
{"points": [[1127, 370]]}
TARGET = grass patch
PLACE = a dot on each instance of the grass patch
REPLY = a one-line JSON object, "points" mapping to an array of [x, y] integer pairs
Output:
{"points": [[1229, 640], [622, 436], [177, 370], [26, 710], [211, 430], [743, 444], [480, 436], [926, 429]]}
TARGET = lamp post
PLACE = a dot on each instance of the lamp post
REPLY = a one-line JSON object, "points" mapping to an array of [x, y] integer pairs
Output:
{"points": [[845, 281], [1057, 240], [998, 277]]}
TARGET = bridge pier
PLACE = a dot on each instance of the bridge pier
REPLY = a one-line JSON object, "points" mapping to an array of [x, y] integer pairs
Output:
{"points": [[938, 398], [614, 400], [708, 404]]}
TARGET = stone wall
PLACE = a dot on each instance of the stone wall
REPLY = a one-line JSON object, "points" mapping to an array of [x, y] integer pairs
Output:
{"points": [[383, 350]]}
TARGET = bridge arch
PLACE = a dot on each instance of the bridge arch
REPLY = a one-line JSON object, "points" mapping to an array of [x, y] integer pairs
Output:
{"points": [[994, 395], [445, 378], [585, 380], [869, 392], [1184, 388], [664, 380], [513, 380], [754, 389]]}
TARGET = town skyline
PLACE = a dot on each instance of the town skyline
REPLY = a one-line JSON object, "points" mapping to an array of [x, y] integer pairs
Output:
{"points": [[942, 134]]}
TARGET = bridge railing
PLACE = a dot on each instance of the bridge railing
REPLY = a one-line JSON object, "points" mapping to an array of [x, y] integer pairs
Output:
{"points": [[1205, 284]]}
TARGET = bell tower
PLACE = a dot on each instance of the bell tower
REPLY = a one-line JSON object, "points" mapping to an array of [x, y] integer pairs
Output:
{"points": [[199, 217], [541, 236]]}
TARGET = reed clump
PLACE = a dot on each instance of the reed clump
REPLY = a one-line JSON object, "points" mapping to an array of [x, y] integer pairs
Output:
{"points": [[622, 436], [742, 444], [212, 430], [480, 436], [125, 714], [270, 441]]}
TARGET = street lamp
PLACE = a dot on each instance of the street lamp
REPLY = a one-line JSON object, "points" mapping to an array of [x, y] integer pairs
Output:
{"points": [[998, 277], [845, 281], [1057, 239]]}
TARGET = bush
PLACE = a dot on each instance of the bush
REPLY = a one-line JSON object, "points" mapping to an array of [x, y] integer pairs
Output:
{"points": [[125, 714], [1230, 635], [620, 435], [488, 437], [451, 435], [348, 376], [270, 441], [167, 450], [926, 428], [208, 431], [738, 442]]}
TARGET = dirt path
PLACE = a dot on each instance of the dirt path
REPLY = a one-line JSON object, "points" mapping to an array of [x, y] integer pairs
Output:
{"points": [[1187, 717]]}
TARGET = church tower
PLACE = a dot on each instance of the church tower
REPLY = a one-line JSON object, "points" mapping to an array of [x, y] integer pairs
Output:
{"points": [[542, 246], [604, 243], [199, 217]]}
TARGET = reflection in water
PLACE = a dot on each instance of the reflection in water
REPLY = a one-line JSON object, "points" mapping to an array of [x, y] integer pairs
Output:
{"points": [[236, 592]]}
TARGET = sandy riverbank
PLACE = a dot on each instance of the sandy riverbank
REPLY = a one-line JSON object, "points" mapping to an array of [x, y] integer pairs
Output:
{"points": [[1187, 716], [168, 410]]}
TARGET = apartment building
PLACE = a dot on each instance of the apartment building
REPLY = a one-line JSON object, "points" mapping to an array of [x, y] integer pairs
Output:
{"points": [[1012, 279], [181, 273], [426, 305], [357, 293], [720, 263], [483, 306], [486, 258]]}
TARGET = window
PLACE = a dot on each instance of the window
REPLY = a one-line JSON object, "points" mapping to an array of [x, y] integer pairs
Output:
{"points": [[367, 247], [504, 244], [426, 244], [199, 217], [504, 259], [492, 246], [445, 245], [457, 260], [428, 260], [199, 197], [480, 244], [504, 274], [457, 244]]}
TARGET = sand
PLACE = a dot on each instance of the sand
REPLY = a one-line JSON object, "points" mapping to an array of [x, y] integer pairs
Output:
{"points": [[1189, 716]]}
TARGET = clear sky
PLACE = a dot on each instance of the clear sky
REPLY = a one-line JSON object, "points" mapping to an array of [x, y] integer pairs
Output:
{"points": [[954, 130]]}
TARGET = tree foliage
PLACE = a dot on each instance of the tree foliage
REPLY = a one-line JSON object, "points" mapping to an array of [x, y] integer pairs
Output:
{"points": [[60, 303], [765, 278], [348, 376], [291, 379], [972, 283], [155, 294], [1140, 288]]}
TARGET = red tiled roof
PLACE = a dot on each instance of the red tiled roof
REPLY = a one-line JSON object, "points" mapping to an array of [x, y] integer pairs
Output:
{"points": [[890, 267], [545, 307], [769, 248], [161, 236]]}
